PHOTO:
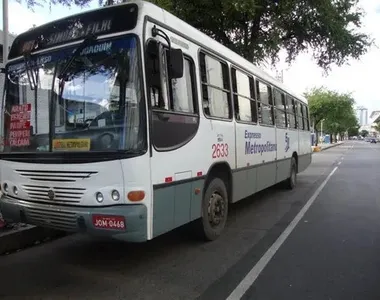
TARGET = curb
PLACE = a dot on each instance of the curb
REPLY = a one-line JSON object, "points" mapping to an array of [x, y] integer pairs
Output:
{"points": [[14, 240], [314, 148], [330, 146]]}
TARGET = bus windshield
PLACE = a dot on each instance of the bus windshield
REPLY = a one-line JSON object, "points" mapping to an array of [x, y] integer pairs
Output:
{"points": [[92, 103]]}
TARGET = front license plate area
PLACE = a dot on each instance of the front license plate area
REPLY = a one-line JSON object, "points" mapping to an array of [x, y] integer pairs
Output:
{"points": [[109, 222]]}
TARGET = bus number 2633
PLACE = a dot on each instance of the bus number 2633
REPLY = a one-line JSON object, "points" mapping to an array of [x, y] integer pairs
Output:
{"points": [[219, 150]]}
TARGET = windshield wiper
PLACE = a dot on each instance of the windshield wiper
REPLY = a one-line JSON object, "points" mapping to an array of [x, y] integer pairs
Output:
{"points": [[87, 41], [32, 77]]}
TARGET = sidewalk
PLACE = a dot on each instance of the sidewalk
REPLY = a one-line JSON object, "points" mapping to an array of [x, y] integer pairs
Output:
{"points": [[21, 236], [17, 236], [322, 147]]}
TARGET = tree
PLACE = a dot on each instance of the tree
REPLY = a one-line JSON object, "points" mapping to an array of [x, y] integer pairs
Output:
{"points": [[334, 109], [353, 131], [33, 3], [259, 29], [364, 133]]}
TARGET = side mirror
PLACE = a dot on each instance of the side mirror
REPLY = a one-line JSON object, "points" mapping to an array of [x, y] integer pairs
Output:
{"points": [[176, 63], [152, 49]]}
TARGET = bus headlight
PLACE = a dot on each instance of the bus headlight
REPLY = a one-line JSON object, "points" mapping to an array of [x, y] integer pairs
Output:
{"points": [[99, 197], [15, 190], [115, 195]]}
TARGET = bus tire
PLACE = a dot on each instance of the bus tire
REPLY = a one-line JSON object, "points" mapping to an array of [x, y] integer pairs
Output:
{"points": [[291, 182], [214, 210]]}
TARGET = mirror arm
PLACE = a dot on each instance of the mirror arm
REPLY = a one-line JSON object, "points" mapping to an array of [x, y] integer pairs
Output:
{"points": [[158, 32], [161, 33]]}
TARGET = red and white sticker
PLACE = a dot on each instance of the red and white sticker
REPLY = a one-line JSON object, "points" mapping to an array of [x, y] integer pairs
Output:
{"points": [[109, 222]]}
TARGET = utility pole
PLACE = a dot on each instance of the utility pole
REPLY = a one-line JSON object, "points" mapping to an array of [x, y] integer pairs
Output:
{"points": [[5, 32]]}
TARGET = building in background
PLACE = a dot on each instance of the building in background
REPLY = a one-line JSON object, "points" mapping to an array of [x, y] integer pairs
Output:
{"points": [[362, 115], [374, 119], [371, 126]]}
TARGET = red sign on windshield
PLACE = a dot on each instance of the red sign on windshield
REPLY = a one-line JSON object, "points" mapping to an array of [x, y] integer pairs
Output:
{"points": [[19, 134]]}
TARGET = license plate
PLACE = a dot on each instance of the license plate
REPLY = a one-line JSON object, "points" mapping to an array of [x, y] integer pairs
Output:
{"points": [[109, 222]]}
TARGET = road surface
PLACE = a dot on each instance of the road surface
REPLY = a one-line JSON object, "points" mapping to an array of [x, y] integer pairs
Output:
{"points": [[332, 253]]}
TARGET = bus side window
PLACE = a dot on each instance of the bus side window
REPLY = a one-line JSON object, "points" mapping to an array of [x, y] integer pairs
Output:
{"points": [[305, 117], [215, 87], [244, 96], [183, 90], [264, 103], [300, 118], [154, 76], [291, 112], [176, 95], [279, 100]]}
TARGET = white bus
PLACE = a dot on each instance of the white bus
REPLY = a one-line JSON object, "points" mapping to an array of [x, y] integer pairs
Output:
{"points": [[174, 127]]}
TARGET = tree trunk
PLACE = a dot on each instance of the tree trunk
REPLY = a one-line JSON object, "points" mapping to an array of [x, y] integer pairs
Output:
{"points": [[316, 137]]}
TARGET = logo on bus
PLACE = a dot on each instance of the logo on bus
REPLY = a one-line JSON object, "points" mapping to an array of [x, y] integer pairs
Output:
{"points": [[287, 142], [254, 144], [51, 194]]}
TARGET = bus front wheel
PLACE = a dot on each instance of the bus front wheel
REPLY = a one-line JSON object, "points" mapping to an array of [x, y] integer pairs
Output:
{"points": [[214, 210]]}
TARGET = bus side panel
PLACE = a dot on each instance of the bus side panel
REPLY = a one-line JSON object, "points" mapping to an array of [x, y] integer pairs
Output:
{"points": [[266, 172], [245, 175], [287, 144], [304, 158], [256, 159]]}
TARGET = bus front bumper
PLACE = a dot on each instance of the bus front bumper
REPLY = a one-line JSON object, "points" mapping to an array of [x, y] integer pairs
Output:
{"points": [[80, 219]]}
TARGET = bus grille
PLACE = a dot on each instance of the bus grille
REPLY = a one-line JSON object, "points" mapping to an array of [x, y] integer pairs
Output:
{"points": [[62, 195], [60, 220], [56, 176]]}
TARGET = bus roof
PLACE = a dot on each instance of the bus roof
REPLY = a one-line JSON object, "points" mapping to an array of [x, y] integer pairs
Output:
{"points": [[179, 26]]}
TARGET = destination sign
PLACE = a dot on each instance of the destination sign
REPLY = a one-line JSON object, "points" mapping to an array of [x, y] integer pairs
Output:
{"points": [[103, 21]]}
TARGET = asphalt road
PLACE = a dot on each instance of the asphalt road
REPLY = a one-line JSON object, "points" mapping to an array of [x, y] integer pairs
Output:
{"points": [[331, 253]]}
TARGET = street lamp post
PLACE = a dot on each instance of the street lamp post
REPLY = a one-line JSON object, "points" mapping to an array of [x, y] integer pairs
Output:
{"points": [[5, 31]]}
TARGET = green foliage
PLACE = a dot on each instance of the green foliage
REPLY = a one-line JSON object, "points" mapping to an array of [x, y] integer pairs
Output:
{"points": [[258, 29], [336, 110], [364, 133], [353, 131], [33, 3]]}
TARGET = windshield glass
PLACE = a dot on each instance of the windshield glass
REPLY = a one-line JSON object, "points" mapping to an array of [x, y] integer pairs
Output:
{"points": [[96, 106]]}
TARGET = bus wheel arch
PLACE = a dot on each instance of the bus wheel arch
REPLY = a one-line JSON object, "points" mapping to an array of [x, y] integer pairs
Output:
{"points": [[295, 155], [223, 171], [216, 196], [291, 182]]}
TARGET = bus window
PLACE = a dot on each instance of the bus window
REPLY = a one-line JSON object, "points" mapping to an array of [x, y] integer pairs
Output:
{"points": [[173, 101], [215, 87], [300, 118], [279, 100], [264, 103], [183, 90], [305, 117], [291, 112], [244, 97]]}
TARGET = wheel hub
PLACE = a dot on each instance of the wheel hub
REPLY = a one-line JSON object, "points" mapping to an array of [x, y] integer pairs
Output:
{"points": [[216, 209]]}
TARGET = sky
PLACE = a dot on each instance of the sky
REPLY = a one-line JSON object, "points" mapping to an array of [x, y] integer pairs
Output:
{"points": [[359, 77]]}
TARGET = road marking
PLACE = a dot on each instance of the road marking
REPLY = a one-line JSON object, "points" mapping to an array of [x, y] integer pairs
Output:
{"points": [[252, 275], [339, 163]]}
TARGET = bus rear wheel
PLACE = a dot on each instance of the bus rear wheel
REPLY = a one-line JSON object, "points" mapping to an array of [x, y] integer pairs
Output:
{"points": [[214, 210], [291, 182]]}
